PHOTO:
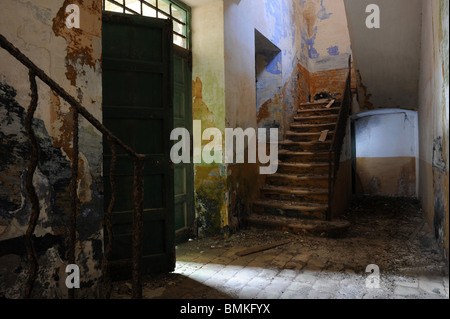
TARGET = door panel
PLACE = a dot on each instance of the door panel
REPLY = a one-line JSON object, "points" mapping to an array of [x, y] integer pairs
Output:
{"points": [[138, 109], [184, 172]]}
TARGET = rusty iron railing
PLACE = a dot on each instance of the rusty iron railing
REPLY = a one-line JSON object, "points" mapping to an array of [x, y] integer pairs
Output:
{"points": [[338, 138], [113, 141]]}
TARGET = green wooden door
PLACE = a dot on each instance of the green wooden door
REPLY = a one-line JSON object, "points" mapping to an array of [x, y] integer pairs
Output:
{"points": [[184, 173], [138, 108]]}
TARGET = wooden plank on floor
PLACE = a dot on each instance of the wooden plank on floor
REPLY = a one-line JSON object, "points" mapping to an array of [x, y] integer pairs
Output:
{"points": [[330, 104], [323, 136], [261, 248]]}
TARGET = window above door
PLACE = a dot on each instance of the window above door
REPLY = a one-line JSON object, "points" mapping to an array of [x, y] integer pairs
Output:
{"points": [[162, 9]]}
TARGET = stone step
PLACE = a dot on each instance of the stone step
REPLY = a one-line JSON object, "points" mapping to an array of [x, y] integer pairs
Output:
{"points": [[319, 168], [309, 128], [290, 209], [295, 194], [332, 229], [307, 137], [318, 111], [319, 103], [305, 146], [293, 180], [315, 119], [303, 157]]}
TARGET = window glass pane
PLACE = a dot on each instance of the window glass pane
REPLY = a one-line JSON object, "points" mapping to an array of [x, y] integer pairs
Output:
{"points": [[178, 13], [179, 41], [152, 2], [134, 5], [178, 28], [148, 11], [143, 7], [164, 5], [109, 6]]}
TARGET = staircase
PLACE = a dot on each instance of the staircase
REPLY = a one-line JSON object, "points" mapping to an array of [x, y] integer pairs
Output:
{"points": [[296, 197]]}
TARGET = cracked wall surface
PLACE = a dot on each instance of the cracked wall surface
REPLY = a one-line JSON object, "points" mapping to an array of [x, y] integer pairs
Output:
{"points": [[433, 119], [72, 58]]}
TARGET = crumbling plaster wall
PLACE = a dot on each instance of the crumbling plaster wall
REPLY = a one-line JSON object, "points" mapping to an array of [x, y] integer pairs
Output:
{"points": [[313, 39], [314, 42], [71, 57], [434, 117], [208, 88], [278, 23], [326, 39]]}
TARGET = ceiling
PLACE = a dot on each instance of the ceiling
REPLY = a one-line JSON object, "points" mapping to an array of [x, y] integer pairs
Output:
{"points": [[387, 58]]}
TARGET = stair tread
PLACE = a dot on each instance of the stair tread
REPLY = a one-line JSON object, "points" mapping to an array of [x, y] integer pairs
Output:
{"points": [[303, 125], [318, 102], [315, 117], [289, 142], [307, 133], [311, 164], [318, 109], [295, 190], [288, 152], [307, 224], [290, 205], [299, 176]]}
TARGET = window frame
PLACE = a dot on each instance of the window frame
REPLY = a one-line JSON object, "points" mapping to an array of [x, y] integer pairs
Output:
{"points": [[178, 3]]}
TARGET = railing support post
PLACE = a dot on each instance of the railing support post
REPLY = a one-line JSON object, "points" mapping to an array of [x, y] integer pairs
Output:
{"points": [[338, 138], [73, 197], [31, 191]]}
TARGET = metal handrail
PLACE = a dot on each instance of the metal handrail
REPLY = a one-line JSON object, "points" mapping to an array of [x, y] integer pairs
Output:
{"points": [[338, 137], [78, 109]]}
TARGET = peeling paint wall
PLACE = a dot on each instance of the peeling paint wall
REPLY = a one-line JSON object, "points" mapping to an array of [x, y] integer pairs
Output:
{"points": [[326, 40], [72, 58], [208, 88], [265, 79], [433, 119], [314, 42], [238, 81]]}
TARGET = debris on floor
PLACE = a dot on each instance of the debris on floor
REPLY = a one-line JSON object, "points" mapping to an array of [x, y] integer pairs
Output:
{"points": [[388, 232]]}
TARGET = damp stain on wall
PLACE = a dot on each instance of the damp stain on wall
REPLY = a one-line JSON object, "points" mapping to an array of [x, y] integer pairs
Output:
{"points": [[440, 192], [51, 180], [74, 63], [199, 108], [210, 200], [209, 179]]}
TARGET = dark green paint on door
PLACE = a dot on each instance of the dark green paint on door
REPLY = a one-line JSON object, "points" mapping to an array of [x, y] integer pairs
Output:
{"points": [[184, 173], [138, 107]]}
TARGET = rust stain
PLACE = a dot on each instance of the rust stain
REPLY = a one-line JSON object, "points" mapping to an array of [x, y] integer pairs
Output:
{"points": [[199, 108], [310, 16], [330, 81], [79, 41], [297, 91], [65, 136], [363, 96], [264, 111], [271, 109]]}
